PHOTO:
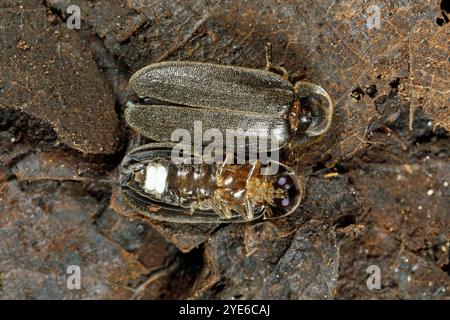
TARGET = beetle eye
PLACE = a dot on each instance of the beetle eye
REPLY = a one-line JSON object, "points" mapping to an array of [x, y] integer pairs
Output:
{"points": [[305, 121]]}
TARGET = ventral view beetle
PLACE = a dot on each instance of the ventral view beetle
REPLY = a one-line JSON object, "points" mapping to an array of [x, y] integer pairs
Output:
{"points": [[159, 188], [260, 102]]}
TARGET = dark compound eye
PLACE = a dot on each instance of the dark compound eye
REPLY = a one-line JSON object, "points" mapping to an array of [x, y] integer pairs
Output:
{"points": [[305, 121]]}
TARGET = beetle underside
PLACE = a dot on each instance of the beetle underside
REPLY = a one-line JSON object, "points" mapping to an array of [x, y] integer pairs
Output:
{"points": [[222, 192]]}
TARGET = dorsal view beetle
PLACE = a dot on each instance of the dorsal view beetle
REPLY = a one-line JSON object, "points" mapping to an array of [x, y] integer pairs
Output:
{"points": [[259, 102], [262, 104]]}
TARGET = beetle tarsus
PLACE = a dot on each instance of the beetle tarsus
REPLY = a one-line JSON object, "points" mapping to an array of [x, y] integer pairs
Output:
{"points": [[226, 210], [241, 212], [215, 208], [249, 210], [268, 213]]}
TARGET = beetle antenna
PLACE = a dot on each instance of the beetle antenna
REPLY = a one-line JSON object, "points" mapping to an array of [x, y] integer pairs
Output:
{"points": [[269, 65]]}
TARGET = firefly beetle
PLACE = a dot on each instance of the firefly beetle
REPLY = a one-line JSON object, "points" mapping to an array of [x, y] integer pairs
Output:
{"points": [[262, 102], [157, 187]]}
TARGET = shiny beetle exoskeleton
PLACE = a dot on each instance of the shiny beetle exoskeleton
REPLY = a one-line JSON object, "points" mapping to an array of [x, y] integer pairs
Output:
{"points": [[205, 193], [262, 102]]}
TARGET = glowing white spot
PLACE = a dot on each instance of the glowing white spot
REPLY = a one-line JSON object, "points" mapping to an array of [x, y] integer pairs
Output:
{"points": [[228, 181], [155, 178], [239, 194]]}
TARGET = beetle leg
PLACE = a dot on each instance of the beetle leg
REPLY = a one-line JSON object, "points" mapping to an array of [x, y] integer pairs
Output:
{"points": [[242, 212], [226, 210], [268, 213], [250, 212], [215, 208], [298, 75], [220, 207], [228, 160], [271, 67], [253, 170]]}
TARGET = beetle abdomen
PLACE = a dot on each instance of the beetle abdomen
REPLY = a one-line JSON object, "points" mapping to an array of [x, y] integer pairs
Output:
{"points": [[189, 185], [162, 189]]}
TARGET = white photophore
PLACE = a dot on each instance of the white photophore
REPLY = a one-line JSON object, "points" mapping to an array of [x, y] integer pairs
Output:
{"points": [[155, 178]]}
